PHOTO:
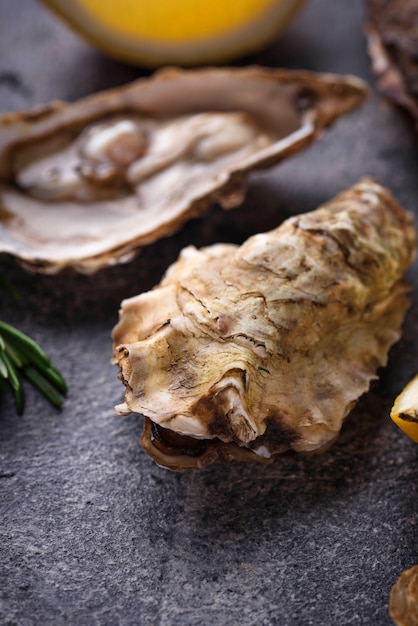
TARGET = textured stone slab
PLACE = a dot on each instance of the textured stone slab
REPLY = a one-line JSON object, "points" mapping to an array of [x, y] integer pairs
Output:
{"points": [[92, 531]]}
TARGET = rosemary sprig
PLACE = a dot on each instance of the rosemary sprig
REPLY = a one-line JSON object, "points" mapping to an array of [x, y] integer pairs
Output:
{"points": [[21, 356]]}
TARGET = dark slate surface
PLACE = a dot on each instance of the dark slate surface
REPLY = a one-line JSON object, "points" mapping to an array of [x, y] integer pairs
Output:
{"points": [[93, 532]]}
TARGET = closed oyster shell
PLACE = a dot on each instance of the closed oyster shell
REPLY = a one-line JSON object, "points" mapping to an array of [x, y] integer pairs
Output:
{"points": [[250, 352], [403, 604], [86, 185], [392, 34]]}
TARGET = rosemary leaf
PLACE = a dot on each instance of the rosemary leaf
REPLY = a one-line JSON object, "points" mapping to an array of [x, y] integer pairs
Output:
{"points": [[12, 373], [43, 385], [9, 372], [56, 379], [3, 369], [25, 344], [17, 358], [19, 396]]}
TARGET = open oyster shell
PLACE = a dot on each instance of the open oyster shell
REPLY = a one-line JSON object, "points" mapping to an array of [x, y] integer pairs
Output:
{"points": [[392, 34], [87, 184], [253, 351]]}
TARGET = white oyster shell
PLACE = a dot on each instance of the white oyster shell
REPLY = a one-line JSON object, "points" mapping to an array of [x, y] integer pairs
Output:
{"points": [[85, 185], [252, 351]]}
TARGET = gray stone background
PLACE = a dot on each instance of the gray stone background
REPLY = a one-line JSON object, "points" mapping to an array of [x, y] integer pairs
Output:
{"points": [[92, 531]]}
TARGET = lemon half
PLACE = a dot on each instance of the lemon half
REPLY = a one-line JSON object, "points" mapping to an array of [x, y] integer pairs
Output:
{"points": [[405, 410], [184, 32]]}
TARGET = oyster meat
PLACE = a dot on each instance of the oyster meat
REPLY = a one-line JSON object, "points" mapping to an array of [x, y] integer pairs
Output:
{"points": [[86, 185], [392, 33], [248, 352]]}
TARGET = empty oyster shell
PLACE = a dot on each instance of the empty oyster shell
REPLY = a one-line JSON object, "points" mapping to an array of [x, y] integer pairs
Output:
{"points": [[392, 34], [86, 185], [253, 351]]}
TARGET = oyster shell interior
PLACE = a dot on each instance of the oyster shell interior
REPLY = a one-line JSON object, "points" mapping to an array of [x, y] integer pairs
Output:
{"points": [[248, 352], [87, 184]]}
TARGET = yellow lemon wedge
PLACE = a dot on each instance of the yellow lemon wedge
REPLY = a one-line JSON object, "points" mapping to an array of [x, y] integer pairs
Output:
{"points": [[183, 32], [405, 410]]}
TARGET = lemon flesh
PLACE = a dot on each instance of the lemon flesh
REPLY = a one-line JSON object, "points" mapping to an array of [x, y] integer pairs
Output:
{"points": [[185, 32], [405, 410]]}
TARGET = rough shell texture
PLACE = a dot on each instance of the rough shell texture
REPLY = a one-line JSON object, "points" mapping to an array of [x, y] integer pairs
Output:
{"points": [[254, 351], [87, 184], [392, 33], [403, 605]]}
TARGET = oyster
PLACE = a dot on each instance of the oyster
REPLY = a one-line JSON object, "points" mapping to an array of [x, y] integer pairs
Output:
{"points": [[250, 352], [392, 33], [86, 185], [403, 604]]}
